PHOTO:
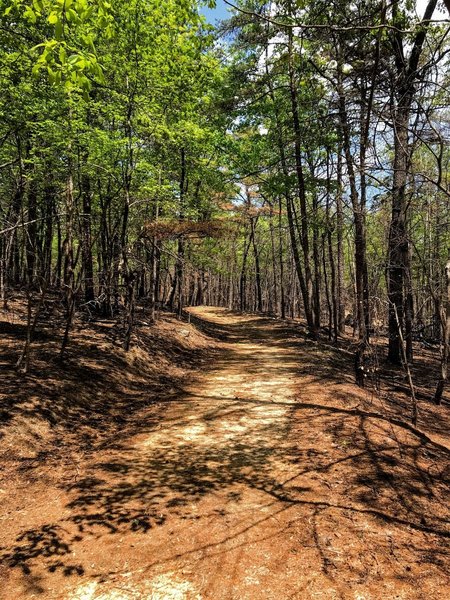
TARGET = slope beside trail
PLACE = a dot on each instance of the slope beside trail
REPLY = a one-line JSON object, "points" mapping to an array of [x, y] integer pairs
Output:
{"points": [[268, 477]]}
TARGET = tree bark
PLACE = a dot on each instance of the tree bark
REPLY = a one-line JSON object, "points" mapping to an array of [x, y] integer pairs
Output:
{"points": [[361, 276], [445, 323], [398, 251], [301, 188], [88, 263]]}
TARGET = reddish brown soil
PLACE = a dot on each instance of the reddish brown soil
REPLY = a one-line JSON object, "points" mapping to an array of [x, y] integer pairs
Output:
{"points": [[267, 475]]}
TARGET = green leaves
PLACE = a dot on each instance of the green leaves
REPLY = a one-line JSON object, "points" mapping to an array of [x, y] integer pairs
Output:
{"points": [[155, 59], [30, 15], [74, 26]]}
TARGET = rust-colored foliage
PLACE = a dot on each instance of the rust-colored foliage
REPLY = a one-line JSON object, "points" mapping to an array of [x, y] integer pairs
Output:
{"points": [[172, 229]]}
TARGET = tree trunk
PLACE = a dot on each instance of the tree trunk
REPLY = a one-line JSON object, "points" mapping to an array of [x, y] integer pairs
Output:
{"points": [[316, 259], [301, 188], [243, 279], [31, 238], [359, 222], [259, 305], [340, 246], [181, 245], [398, 251], [88, 263], [398, 242], [445, 321]]}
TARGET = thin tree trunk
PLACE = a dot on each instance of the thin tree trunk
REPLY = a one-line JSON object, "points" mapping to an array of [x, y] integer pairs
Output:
{"points": [[259, 299], [445, 322], [316, 259], [340, 246], [301, 188], [87, 258], [359, 222]]}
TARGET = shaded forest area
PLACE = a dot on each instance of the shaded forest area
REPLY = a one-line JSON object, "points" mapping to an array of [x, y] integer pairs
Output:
{"points": [[208, 236], [293, 161]]}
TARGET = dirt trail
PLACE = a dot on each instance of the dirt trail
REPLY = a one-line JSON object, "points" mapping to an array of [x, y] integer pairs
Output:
{"points": [[269, 477]]}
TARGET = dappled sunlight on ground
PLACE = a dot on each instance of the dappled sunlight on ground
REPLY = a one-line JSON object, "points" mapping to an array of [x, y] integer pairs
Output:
{"points": [[268, 476]]}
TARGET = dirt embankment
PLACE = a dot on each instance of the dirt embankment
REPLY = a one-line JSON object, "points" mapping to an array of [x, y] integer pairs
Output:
{"points": [[266, 474], [98, 392]]}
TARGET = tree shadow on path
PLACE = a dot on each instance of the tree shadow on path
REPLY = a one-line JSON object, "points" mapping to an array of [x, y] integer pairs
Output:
{"points": [[323, 468]]}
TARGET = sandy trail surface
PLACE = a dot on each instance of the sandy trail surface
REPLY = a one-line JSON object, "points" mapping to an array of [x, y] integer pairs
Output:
{"points": [[268, 477]]}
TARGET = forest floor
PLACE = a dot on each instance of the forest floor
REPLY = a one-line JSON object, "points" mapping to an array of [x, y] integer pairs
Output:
{"points": [[251, 468]]}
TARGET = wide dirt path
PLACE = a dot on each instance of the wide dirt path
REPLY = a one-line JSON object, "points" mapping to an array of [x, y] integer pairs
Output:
{"points": [[269, 477]]}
